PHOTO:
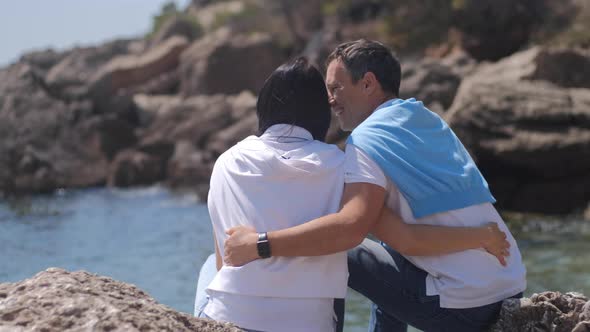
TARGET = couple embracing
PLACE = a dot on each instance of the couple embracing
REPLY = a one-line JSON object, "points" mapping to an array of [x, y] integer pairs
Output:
{"points": [[291, 213]]}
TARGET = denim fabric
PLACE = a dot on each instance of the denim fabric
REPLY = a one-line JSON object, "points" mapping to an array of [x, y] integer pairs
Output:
{"points": [[339, 306], [206, 275], [398, 290]]}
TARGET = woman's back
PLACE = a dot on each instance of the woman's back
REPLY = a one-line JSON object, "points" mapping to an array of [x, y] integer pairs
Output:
{"points": [[276, 181]]}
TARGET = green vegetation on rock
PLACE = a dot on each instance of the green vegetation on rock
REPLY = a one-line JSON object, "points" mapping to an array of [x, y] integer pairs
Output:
{"points": [[169, 11]]}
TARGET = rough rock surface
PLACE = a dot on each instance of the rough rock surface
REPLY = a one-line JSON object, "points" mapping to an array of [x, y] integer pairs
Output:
{"points": [[513, 23], [70, 76], [127, 71], [224, 63], [530, 137], [547, 311], [47, 143], [56, 300]]}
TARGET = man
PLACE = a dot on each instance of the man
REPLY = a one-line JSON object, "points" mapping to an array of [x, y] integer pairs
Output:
{"points": [[402, 155]]}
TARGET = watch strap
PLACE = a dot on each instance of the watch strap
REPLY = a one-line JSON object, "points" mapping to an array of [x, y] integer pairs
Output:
{"points": [[263, 245]]}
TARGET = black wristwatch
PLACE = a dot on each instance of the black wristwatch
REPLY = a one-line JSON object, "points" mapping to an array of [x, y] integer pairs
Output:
{"points": [[263, 245]]}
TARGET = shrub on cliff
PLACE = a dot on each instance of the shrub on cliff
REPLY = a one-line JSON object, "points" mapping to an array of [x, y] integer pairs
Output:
{"points": [[170, 11]]}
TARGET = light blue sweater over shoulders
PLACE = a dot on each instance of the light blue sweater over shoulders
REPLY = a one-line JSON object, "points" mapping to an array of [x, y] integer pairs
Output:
{"points": [[418, 151]]}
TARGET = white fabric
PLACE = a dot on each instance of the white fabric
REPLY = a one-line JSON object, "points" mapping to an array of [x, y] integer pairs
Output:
{"points": [[466, 279], [272, 182], [272, 313]]}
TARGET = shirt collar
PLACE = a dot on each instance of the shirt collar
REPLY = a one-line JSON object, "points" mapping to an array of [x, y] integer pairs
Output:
{"points": [[287, 131]]}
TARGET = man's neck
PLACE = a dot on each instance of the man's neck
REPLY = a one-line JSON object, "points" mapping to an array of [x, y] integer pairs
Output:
{"points": [[382, 99]]}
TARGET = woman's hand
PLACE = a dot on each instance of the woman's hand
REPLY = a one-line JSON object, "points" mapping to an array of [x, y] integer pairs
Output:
{"points": [[495, 242], [240, 247]]}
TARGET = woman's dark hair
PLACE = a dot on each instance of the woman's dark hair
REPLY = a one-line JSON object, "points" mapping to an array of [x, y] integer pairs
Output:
{"points": [[295, 94]]}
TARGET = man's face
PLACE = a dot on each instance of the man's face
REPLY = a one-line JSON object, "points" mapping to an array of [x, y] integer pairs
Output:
{"points": [[348, 100]]}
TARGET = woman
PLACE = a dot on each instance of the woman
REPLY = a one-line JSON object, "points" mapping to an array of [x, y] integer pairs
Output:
{"points": [[282, 178]]}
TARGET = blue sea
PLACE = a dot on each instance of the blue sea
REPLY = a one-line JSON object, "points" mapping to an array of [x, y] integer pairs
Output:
{"points": [[157, 240]]}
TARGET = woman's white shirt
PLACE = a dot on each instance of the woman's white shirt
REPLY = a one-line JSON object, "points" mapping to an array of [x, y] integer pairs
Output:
{"points": [[278, 180]]}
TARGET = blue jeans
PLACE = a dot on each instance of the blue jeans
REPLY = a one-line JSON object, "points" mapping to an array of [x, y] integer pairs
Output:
{"points": [[206, 275], [397, 289]]}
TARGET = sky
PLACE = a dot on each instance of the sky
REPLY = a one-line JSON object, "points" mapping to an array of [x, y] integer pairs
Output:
{"points": [[27, 25]]}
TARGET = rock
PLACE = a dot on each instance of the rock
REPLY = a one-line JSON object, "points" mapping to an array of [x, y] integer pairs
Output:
{"points": [[563, 67], [58, 300], [132, 168], [189, 166], [112, 134], [124, 72], [226, 138], [568, 68], [302, 18], [196, 118], [165, 83], [530, 138], [44, 59], [42, 140], [152, 106], [431, 82], [547, 311], [435, 81], [513, 23], [225, 63], [69, 78]]}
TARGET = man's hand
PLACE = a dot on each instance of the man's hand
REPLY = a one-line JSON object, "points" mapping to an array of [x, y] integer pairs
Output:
{"points": [[240, 246], [496, 243]]}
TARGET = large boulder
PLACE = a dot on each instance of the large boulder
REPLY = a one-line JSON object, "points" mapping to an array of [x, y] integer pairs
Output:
{"points": [[430, 82], [493, 29], [190, 167], [132, 168], [46, 143], [196, 118], [187, 135], [125, 72], [226, 138], [530, 137], [565, 67], [222, 62], [57, 300], [69, 78], [547, 311], [245, 123], [43, 60], [150, 107]]}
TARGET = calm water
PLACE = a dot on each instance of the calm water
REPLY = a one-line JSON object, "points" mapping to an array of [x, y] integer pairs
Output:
{"points": [[157, 241]]}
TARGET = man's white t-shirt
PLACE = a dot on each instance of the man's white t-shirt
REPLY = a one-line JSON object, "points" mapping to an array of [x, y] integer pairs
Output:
{"points": [[465, 279]]}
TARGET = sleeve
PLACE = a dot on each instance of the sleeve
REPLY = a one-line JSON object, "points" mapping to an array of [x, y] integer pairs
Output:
{"points": [[359, 167]]}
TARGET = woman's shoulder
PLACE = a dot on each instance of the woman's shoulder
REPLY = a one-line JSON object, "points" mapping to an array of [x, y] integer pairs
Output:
{"points": [[322, 146]]}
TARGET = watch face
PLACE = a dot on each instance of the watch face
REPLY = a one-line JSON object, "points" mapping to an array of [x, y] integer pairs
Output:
{"points": [[263, 247]]}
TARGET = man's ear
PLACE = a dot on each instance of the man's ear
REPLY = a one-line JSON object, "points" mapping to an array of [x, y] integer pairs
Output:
{"points": [[370, 83]]}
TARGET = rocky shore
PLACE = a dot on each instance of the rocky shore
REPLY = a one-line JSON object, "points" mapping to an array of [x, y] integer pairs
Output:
{"points": [[161, 108], [58, 300]]}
